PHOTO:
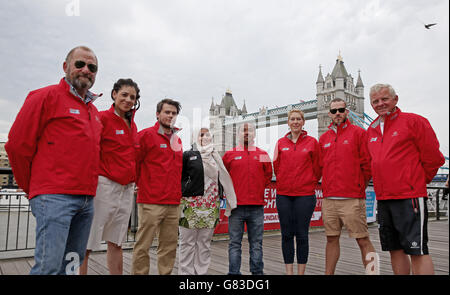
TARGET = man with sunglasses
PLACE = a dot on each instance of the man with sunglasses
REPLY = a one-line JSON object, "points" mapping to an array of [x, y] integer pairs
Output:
{"points": [[405, 158], [53, 147], [346, 172]]}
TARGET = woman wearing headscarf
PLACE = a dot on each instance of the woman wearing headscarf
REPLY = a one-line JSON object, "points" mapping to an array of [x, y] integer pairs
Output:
{"points": [[204, 180]]}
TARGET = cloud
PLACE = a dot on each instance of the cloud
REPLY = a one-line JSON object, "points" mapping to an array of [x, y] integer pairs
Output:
{"points": [[267, 52], [8, 111]]}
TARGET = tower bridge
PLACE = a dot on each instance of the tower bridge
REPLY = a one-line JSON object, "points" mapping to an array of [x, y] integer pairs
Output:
{"points": [[265, 117], [226, 116]]}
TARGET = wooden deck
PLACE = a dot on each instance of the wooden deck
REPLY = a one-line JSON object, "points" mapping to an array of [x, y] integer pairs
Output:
{"points": [[349, 262]]}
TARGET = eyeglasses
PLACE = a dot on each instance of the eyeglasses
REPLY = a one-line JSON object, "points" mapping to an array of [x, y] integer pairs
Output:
{"points": [[341, 110], [81, 64]]}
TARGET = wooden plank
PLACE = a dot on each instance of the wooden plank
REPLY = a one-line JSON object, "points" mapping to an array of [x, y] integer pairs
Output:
{"points": [[348, 264], [97, 264], [9, 268], [22, 266]]}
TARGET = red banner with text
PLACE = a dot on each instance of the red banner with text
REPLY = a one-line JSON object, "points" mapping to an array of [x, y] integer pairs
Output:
{"points": [[271, 221]]}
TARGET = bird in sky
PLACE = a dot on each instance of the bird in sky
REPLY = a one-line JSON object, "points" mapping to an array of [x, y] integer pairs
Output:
{"points": [[429, 25]]}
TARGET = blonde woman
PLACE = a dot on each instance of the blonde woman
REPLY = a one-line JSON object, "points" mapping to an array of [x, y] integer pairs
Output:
{"points": [[296, 166]]}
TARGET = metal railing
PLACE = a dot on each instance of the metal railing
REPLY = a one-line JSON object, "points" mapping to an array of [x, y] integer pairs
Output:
{"points": [[5, 170], [437, 201], [17, 223], [18, 226]]}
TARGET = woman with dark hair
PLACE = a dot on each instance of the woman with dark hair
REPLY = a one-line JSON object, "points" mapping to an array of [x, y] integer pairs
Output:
{"points": [[116, 183]]}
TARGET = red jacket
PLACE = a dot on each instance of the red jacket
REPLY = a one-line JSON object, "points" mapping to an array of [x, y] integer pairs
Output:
{"points": [[405, 157], [119, 146], [296, 165], [345, 161], [251, 171], [159, 166], [54, 143]]}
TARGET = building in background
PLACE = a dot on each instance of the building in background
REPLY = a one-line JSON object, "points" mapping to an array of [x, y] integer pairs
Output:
{"points": [[338, 84], [6, 180], [223, 138]]}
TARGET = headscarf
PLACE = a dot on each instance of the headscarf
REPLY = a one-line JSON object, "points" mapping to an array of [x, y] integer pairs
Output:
{"points": [[210, 167]]}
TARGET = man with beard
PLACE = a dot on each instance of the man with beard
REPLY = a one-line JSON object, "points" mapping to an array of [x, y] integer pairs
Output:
{"points": [[159, 165], [53, 147], [346, 172]]}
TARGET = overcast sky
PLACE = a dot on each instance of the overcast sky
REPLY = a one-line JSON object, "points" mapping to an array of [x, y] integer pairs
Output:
{"points": [[266, 52]]}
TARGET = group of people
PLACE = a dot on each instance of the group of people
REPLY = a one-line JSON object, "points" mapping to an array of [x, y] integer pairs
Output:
{"points": [[81, 169]]}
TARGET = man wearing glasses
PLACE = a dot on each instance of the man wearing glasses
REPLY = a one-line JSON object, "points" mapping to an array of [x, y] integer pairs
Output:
{"points": [[53, 147], [345, 163]]}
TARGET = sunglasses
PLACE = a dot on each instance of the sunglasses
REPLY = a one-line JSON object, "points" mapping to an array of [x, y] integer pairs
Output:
{"points": [[81, 64], [341, 110]]}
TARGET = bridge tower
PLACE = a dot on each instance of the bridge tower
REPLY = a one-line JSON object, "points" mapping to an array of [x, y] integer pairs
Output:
{"points": [[338, 84], [224, 136]]}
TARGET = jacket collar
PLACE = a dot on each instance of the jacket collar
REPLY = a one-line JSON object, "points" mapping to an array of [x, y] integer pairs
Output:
{"points": [[302, 135], [90, 96], [241, 147], [112, 110], [389, 117], [341, 127], [160, 129]]}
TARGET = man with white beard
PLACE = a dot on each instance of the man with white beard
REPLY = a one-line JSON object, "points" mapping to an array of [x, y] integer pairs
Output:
{"points": [[53, 147]]}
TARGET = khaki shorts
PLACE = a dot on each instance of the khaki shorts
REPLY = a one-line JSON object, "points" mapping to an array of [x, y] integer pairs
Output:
{"points": [[350, 213], [113, 203]]}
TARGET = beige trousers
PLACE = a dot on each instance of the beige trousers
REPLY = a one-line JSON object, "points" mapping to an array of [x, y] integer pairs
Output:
{"points": [[195, 253], [156, 220]]}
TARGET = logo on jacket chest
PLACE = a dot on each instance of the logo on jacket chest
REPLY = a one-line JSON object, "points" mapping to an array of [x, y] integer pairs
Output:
{"points": [[373, 139], [255, 157], [74, 111], [163, 145], [327, 145], [118, 132]]}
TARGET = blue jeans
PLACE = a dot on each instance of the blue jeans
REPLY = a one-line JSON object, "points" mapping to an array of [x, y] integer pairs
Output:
{"points": [[295, 215], [253, 216], [63, 223]]}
